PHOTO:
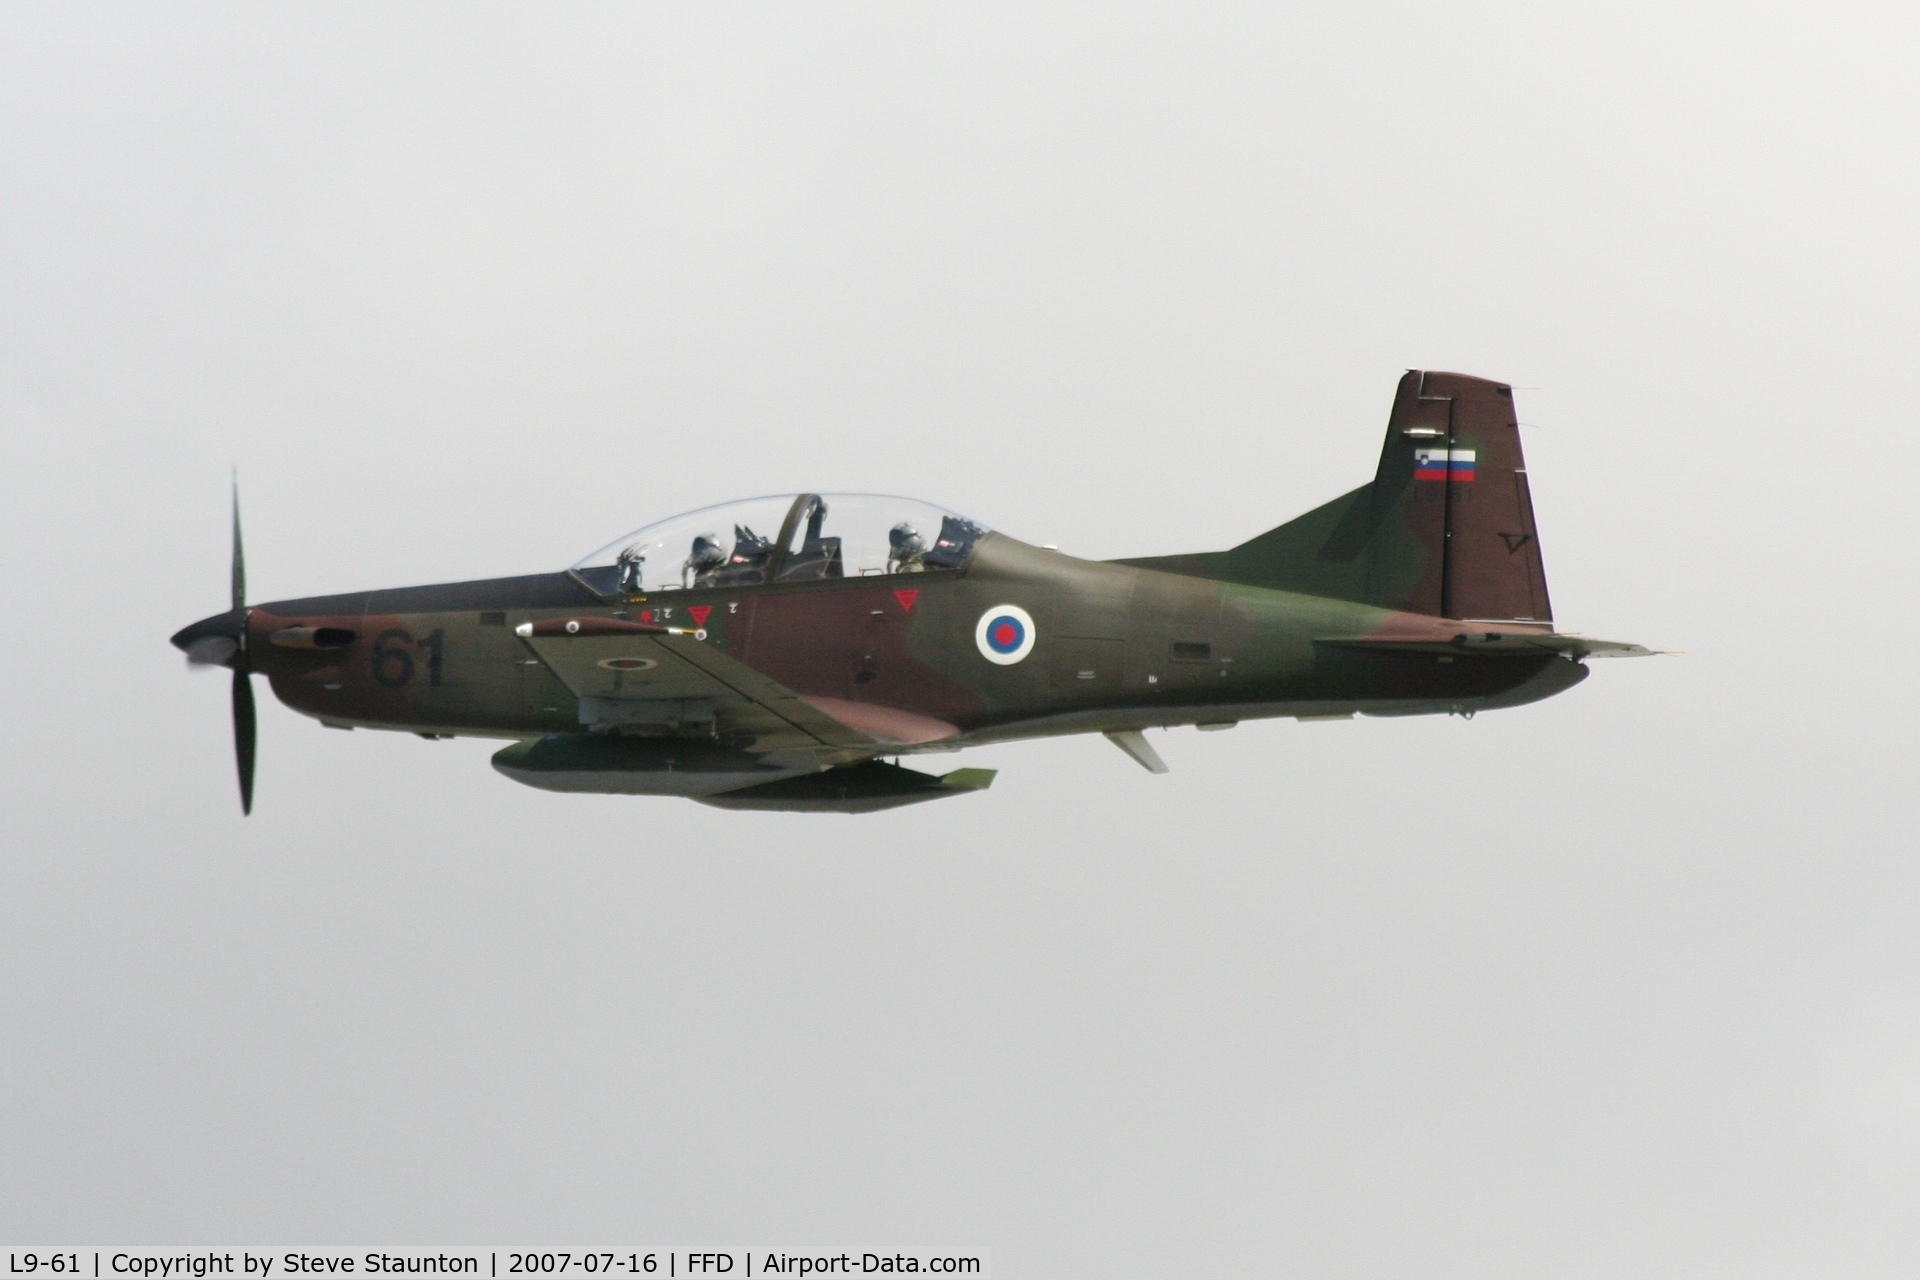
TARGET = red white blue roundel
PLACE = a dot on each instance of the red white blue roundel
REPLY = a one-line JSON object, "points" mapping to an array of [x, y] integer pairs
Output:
{"points": [[1005, 634]]}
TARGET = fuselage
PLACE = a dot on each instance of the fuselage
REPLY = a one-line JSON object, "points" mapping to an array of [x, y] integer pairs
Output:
{"points": [[1114, 647], [774, 652]]}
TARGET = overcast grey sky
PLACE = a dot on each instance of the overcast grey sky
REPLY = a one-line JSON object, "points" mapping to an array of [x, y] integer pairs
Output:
{"points": [[1624, 983]]}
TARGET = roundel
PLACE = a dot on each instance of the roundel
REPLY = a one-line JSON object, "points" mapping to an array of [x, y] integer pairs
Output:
{"points": [[1005, 634]]}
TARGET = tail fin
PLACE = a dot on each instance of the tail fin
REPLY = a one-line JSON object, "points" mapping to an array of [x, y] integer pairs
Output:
{"points": [[1445, 528]]}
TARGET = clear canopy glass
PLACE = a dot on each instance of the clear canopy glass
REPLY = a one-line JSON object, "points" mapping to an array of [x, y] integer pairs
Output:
{"points": [[786, 538]]}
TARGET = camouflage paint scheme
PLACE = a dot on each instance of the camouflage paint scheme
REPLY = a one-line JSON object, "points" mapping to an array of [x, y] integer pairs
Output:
{"points": [[1421, 592]]}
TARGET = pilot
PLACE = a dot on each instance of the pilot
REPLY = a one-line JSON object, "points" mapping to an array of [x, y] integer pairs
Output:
{"points": [[708, 555], [633, 563], [906, 550]]}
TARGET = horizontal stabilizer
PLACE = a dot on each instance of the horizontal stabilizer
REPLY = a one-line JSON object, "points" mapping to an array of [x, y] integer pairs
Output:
{"points": [[1497, 644]]}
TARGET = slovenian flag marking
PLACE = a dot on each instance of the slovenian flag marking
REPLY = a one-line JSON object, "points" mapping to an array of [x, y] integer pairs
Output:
{"points": [[1443, 464]]}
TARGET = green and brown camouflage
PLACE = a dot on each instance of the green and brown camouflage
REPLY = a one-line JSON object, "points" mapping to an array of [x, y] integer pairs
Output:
{"points": [[775, 679]]}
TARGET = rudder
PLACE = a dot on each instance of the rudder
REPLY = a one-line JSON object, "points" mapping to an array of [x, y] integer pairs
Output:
{"points": [[1491, 569]]}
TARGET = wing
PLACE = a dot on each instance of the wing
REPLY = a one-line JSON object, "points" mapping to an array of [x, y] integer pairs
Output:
{"points": [[635, 674]]}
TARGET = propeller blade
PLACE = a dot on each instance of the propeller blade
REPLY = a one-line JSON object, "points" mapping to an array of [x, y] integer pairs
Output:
{"points": [[243, 734], [239, 559]]}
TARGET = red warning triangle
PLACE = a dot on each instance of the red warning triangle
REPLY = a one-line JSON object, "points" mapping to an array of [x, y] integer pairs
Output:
{"points": [[906, 596], [699, 612]]}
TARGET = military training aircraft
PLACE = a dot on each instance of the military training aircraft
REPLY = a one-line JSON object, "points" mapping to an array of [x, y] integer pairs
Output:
{"points": [[768, 654]]}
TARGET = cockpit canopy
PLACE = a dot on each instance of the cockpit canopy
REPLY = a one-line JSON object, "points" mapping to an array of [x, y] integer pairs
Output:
{"points": [[789, 538]]}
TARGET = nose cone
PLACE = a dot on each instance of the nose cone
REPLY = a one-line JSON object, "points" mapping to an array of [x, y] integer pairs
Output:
{"points": [[213, 641]]}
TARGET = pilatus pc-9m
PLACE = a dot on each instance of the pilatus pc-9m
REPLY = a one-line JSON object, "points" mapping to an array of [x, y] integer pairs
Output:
{"points": [[766, 654]]}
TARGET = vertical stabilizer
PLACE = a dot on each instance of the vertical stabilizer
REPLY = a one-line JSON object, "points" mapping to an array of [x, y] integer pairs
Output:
{"points": [[1445, 528], [1468, 491]]}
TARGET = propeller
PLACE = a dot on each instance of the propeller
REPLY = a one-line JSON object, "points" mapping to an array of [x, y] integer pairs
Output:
{"points": [[244, 721], [221, 641]]}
